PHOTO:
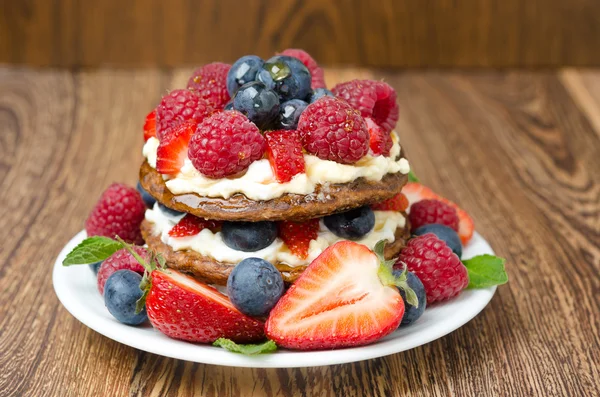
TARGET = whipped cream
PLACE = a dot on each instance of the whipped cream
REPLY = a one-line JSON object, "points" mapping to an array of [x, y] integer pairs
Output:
{"points": [[259, 182], [212, 245]]}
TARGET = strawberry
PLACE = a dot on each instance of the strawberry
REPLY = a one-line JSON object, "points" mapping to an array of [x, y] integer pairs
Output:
{"points": [[173, 148], [298, 235], [191, 225], [397, 203], [346, 297], [183, 308], [284, 151], [380, 141], [150, 126]]}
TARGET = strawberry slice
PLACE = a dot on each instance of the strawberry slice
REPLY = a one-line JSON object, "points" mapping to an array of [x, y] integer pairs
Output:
{"points": [[339, 301], [380, 141], [397, 203], [190, 225], [298, 235], [150, 126], [183, 308], [172, 151], [284, 151], [414, 192]]}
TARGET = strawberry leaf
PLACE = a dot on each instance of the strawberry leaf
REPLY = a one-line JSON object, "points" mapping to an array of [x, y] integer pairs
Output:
{"points": [[485, 271], [387, 276], [92, 249], [412, 177], [249, 350]]}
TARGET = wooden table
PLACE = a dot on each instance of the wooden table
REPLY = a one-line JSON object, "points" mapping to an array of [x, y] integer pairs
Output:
{"points": [[519, 150]]}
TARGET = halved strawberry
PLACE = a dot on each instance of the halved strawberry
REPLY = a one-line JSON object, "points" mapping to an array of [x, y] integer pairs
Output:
{"points": [[173, 148], [380, 141], [397, 203], [284, 150], [414, 192], [183, 308], [342, 299], [150, 126], [298, 235], [190, 225]]}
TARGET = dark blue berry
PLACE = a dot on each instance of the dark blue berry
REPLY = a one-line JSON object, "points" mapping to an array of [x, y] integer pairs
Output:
{"points": [[319, 93], [258, 103], [444, 233], [248, 236], [95, 266], [170, 212], [290, 113], [243, 71], [352, 224], [287, 76], [121, 292], [146, 197], [411, 313], [254, 286], [228, 106]]}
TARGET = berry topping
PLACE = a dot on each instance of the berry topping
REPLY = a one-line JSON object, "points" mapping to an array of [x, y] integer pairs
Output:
{"points": [[412, 313], [258, 103], [380, 141], [319, 93], [254, 286], [95, 267], [332, 130], [248, 236], [224, 144], [438, 268], [148, 199], [122, 259], [284, 151], [287, 76], [150, 126], [243, 71], [397, 203], [426, 212], [173, 148], [122, 291], [351, 225], [317, 74], [374, 99], [298, 235], [191, 225], [119, 211], [444, 233], [177, 107], [210, 83], [289, 113]]}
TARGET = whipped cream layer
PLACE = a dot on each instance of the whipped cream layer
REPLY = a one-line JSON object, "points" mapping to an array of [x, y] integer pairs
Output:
{"points": [[211, 244], [259, 182]]}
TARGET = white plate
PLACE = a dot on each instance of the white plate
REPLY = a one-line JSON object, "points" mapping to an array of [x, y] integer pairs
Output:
{"points": [[76, 288]]}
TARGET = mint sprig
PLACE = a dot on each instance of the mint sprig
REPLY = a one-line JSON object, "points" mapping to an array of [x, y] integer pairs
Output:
{"points": [[247, 349], [485, 271], [91, 250], [387, 276], [412, 177]]}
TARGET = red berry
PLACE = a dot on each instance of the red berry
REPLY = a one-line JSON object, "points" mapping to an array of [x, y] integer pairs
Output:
{"points": [[173, 148], [150, 126], [380, 141], [119, 211], [177, 107], [210, 83], [330, 129], [374, 99], [298, 235], [120, 260], [317, 74], [397, 203], [441, 271], [191, 225], [224, 144], [284, 151], [426, 212]]}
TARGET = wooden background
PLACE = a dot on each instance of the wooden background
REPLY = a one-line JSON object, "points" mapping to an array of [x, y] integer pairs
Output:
{"points": [[375, 33]]}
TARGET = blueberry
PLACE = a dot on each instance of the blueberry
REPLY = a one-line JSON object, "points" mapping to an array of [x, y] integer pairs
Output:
{"points": [[319, 93], [287, 76], [169, 212], [254, 286], [443, 232], [95, 266], [290, 113], [146, 197], [248, 236], [243, 71], [258, 103], [228, 106], [352, 224], [411, 313], [121, 292]]}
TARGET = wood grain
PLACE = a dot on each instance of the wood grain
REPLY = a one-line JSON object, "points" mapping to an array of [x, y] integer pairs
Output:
{"points": [[385, 33], [520, 151]]}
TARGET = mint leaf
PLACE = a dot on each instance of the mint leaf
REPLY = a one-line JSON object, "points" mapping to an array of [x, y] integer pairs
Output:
{"points": [[412, 177], [249, 350], [92, 249], [485, 271]]}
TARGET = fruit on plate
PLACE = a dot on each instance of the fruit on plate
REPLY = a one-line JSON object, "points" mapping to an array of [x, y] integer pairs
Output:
{"points": [[173, 148], [298, 235], [120, 260], [257, 102], [284, 151], [122, 291], [316, 73], [287, 76], [177, 107], [412, 313], [352, 224], [398, 203], [428, 211], [243, 71], [248, 236], [191, 225], [209, 82], [444, 233], [346, 297]]}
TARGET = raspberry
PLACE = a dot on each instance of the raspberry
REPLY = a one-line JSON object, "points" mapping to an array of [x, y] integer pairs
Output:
{"points": [[317, 74], [284, 151], [179, 106], [330, 129], [397, 203], [224, 144], [426, 212], [374, 99], [380, 141], [191, 225], [210, 83], [120, 260], [119, 211]]}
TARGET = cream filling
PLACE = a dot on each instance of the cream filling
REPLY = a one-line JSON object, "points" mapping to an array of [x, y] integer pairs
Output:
{"points": [[211, 244]]}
